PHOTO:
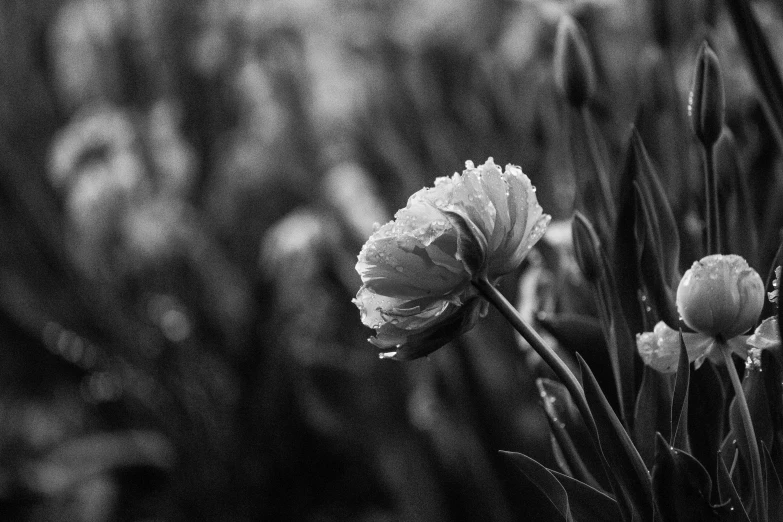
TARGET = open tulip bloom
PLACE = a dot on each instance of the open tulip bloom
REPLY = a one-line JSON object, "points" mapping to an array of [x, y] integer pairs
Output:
{"points": [[720, 297], [430, 274], [419, 268]]}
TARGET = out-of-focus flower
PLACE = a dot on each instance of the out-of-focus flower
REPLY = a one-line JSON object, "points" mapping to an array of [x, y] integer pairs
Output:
{"points": [[720, 297], [352, 192], [767, 334], [417, 270], [773, 295], [574, 69], [766, 337], [298, 245], [660, 348]]}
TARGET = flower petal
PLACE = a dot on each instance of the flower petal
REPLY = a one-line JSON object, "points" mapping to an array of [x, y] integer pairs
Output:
{"points": [[767, 335], [496, 189], [411, 344], [470, 197], [414, 262], [660, 349]]}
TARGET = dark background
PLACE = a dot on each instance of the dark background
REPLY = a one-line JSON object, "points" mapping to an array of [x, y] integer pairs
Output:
{"points": [[184, 188]]}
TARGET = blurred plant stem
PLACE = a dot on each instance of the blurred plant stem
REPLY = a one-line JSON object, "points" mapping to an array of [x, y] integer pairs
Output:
{"points": [[711, 200], [601, 173], [560, 368], [750, 434]]}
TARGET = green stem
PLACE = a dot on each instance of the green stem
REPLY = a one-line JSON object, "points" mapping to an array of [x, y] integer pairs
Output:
{"points": [[600, 170], [711, 200], [560, 368], [759, 493]]}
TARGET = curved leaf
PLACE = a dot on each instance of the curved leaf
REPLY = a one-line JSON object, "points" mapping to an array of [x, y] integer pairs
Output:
{"points": [[652, 414], [619, 340], [544, 480], [565, 421], [762, 63], [583, 334], [681, 485], [574, 500], [732, 509], [632, 480], [707, 421], [773, 486], [756, 395], [679, 417]]}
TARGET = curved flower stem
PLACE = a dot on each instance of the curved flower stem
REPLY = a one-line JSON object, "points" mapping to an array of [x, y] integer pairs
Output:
{"points": [[565, 374], [755, 457]]}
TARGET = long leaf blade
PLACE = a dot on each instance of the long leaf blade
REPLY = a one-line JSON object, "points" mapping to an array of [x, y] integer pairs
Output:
{"points": [[624, 461], [679, 417]]}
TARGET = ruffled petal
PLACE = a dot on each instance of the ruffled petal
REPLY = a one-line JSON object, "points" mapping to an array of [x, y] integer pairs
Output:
{"points": [[660, 349], [767, 335], [469, 196], [527, 223], [413, 258], [377, 310], [399, 344], [417, 269], [496, 189]]}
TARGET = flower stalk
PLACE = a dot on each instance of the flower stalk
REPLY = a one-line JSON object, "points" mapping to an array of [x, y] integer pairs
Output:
{"points": [[759, 493], [560, 368], [706, 109], [711, 199]]}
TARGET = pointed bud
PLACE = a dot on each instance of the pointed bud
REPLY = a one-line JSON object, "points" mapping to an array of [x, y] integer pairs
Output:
{"points": [[707, 103], [573, 64]]}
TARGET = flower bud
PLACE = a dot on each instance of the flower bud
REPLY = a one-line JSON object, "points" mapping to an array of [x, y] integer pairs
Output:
{"points": [[720, 296], [707, 101], [574, 69]]}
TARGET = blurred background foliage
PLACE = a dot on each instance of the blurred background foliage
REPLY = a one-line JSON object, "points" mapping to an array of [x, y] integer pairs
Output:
{"points": [[184, 187]]}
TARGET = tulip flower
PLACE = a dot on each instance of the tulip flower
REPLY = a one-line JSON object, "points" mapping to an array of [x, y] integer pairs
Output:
{"points": [[418, 269], [720, 297], [767, 334]]}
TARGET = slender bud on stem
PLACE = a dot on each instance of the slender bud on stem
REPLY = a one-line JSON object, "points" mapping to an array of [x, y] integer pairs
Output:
{"points": [[706, 107], [707, 100], [574, 69]]}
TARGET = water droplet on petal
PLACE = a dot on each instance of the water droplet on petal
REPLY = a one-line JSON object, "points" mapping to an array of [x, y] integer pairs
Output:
{"points": [[386, 355]]}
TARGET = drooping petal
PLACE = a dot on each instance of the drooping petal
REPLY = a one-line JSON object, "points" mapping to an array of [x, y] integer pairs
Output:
{"points": [[417, 270], [406, 345], [660, 349], [408, 268], [410, 314]]}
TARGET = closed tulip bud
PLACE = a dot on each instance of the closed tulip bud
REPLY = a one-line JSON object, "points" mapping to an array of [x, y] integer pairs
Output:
{"points": [[720, 296], [707, 104], [573, 64]]}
